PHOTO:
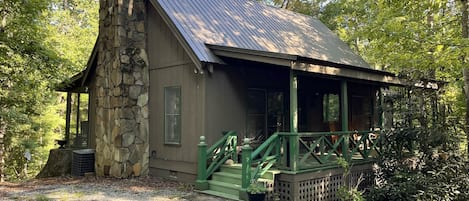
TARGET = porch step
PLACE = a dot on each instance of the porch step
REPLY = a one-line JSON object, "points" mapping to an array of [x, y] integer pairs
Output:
{"points": [[236, 169], [227, 182], [232, 178], [223, 187], [227, 177]]}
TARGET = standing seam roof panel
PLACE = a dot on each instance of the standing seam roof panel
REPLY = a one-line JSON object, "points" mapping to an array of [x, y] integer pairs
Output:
{"points": [[250, 25]]}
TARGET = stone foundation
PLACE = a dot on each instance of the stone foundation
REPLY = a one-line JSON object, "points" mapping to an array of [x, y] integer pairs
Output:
{"points": [[122, 90]]}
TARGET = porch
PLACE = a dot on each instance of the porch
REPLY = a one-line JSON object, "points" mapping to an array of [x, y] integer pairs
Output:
{"points": [[293, 166]]}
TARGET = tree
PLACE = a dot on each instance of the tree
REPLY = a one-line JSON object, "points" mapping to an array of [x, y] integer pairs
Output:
{"points": [[42, 43], [308, 7], [465, 35]]}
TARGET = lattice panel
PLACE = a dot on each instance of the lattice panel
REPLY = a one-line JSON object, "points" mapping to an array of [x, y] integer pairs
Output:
{"points": [[270, 190], [283, 190], [318, 189]]}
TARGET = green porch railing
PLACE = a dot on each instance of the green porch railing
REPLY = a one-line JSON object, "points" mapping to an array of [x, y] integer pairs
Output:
{"points": [[292, 152], [212, 158], [262, 158], [303, 151], [321, 149]]}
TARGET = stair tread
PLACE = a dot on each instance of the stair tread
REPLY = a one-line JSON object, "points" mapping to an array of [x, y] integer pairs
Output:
{"points": [[224, 184], [228, 174], [238, 166], [220, 194]]}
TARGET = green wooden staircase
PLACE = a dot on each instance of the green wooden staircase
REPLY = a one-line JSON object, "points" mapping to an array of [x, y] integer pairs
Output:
{"points": [[227, 181]]}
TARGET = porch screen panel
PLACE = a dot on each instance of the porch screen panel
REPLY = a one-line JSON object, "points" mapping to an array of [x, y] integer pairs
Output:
{"points": [[172, 115], [256, 113], [331, 107], [331, 111]]}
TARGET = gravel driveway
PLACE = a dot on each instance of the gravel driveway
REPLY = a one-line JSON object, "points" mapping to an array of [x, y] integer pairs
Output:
{"points": [[67, 188]]}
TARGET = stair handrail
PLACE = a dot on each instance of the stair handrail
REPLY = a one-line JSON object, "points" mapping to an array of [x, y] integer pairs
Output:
{"points": [[269, 152], [209, 160]]}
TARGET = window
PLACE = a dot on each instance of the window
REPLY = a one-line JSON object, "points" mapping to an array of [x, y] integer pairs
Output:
{"points": [[172, 115], [331, 107]]}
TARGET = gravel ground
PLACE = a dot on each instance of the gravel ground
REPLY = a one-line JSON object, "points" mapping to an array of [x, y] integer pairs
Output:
{"points": [[67, 188]]}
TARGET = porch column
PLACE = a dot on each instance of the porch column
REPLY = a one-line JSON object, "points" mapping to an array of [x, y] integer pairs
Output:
{"points": [[293, 139], [68, 112], [77, 129], [344, 115], [380, 109]]}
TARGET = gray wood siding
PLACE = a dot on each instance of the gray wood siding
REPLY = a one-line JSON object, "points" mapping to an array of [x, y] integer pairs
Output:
{"points": [[171, 66], [225, 103], [163, 47]]}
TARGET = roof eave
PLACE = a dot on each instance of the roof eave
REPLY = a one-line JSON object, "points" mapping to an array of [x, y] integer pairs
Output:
{"points": [[309, 65], [253, 55]]}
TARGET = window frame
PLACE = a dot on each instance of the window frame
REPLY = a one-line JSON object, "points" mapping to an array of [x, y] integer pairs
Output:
{"points": [[167, 140]]}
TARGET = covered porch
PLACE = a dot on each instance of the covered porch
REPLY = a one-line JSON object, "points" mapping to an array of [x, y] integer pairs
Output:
{"points": [[298, 126]]}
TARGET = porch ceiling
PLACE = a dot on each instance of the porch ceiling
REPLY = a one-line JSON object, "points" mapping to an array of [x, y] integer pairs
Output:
{"points": [[296, 62]]}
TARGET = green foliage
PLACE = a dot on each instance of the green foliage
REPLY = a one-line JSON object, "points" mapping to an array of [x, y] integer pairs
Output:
{"points": [[256, 188], [421, 160], [307, 7], [407, 38], [33, 60], [345, 192]]}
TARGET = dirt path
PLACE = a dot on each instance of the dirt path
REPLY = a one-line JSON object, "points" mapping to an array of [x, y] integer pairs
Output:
{"points": [[66, 188]]}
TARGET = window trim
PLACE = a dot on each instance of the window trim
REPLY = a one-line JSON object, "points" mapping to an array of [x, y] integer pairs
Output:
{"points": [[165, 115]]}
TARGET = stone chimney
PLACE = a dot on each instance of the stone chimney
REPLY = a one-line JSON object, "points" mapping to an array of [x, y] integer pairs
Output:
{"points": [[122, 90]]}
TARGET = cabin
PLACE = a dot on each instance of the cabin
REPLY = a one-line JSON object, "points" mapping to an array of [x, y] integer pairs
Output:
{"points": [[227, 93]]}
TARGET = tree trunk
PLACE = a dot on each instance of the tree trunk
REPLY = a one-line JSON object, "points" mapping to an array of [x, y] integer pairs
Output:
{"points": [[465, 34], [2, 148]]}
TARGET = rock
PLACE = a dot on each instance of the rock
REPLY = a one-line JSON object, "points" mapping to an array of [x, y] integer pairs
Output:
{"points": [[140, 26], [116, 170], [121, 154], [134, 91], [127, 113], [128, 79], [137, 169], [128, 139], [143, 130], [134, 156], [142, 100]]}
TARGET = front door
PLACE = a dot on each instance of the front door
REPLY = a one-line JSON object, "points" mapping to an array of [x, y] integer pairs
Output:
{"points": [[266, 113]]}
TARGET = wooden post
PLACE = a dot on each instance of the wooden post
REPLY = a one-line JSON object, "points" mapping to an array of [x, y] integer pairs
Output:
{"points": [[77, 129], [293, 139], [201, 182], [68, 112], [246, 164], [293, 102], [234, 154], [344, 115]]}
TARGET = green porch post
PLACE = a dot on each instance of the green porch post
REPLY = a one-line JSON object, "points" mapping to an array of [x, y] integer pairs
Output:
{"points": [[201, 182], [344, 115], [246, 164], [293, 139]]}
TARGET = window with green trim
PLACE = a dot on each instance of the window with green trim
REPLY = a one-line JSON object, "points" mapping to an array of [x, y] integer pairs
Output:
{"points": [[172, 115]]}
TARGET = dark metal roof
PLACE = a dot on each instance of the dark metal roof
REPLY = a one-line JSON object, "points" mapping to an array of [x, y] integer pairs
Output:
{"points": [[250, 25]]}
